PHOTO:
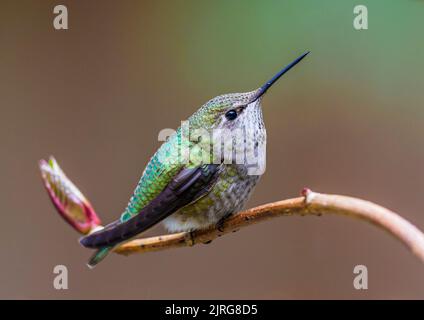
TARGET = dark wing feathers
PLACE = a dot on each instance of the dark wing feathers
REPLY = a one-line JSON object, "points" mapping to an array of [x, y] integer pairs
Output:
{"points": [[187, 186]]}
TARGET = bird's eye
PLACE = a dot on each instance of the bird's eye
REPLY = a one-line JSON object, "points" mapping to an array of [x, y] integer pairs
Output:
{"points": [[231, 115]]}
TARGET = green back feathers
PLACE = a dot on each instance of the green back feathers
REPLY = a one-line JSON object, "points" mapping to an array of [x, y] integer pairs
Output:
{"points": [[162, 167]]}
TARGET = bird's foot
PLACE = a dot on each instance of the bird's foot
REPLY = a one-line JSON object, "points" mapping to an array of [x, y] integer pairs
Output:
{"points": [[221, 222]]}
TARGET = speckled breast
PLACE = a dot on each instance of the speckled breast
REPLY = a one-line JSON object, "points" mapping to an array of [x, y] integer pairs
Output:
{"points": [[228, 195]]}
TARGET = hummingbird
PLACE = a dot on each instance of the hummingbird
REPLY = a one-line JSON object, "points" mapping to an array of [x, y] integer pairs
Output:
{"points": [[193, 192]]}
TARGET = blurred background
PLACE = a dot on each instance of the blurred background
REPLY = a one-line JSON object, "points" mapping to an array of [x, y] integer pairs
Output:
{"points": [[348, 120]]}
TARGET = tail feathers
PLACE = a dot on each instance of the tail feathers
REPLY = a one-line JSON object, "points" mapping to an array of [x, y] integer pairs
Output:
{"points": [[98, 256]]}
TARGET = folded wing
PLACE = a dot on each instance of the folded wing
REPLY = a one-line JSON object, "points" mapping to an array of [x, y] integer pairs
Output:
{"points": [[187, 186]]}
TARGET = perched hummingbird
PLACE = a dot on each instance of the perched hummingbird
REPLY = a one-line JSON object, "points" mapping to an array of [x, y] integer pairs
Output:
{"points": [[188, 193]]}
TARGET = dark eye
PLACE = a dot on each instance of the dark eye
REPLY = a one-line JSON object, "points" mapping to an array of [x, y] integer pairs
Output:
{"points": [[231, 115]]}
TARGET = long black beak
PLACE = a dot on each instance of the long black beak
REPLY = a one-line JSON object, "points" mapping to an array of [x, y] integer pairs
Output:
{"points": [[274, 79]]}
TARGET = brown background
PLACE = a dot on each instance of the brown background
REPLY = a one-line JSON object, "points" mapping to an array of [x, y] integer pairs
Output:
{"points": [[348, 120]]}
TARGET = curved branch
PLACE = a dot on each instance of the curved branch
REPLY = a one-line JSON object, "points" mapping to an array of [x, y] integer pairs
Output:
{"points": [[74, 207], [310, 203]]}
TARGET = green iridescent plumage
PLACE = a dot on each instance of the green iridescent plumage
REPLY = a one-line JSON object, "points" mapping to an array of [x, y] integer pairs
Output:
{"points": [[164, 165]]}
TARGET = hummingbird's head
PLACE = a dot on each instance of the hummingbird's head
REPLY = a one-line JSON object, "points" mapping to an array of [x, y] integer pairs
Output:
{"points": [[233, 110], [227, 111], [232, 124]]}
